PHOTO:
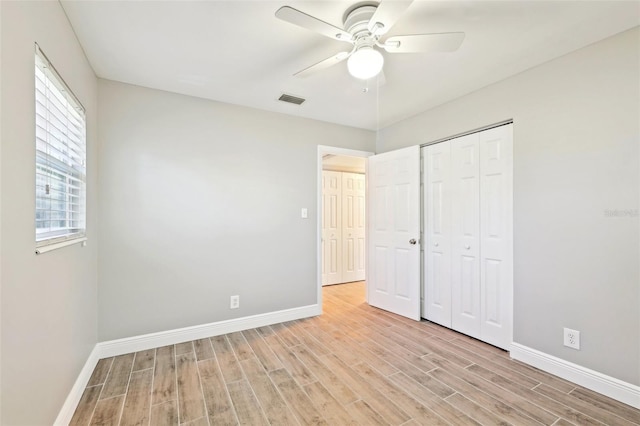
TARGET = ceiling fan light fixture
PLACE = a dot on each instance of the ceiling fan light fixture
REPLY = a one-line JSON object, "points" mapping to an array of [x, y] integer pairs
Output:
{"points": [[365, 63]]}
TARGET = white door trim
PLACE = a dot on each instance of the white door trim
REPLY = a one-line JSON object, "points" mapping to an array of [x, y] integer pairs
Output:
{"points": [[324, 150]]}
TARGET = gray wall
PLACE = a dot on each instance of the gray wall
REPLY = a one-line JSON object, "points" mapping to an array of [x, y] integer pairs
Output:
{"points": [[576, 140], [49, 302], [200, 201], [0, 211]]}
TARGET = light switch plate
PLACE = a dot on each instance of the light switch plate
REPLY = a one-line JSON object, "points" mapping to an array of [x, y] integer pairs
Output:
{"points": [[304, 213]]}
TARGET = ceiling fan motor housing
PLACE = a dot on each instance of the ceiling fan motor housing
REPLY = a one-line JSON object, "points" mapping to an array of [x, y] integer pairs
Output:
{"points": [[357, 21]]}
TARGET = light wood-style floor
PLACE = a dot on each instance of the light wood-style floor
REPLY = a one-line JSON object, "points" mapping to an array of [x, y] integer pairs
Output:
{"points": [[353, 365]]}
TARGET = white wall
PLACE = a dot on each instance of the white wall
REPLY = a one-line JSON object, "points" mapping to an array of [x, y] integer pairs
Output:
{"points": [[200, 201], [49, 302], [576, 151]]}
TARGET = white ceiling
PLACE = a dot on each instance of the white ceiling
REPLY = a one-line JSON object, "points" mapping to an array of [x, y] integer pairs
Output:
{"points": [[239, 52]]}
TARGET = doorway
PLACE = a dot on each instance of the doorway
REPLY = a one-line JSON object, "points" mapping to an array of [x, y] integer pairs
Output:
{"points": [[342, 232]]}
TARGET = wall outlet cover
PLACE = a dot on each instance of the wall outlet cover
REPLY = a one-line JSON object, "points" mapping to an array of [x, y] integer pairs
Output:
{"points": [[234, 302], [572, 338]]}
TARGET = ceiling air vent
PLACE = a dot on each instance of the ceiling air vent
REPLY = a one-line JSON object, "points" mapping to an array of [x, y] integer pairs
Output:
{"points": [[291, 99]]}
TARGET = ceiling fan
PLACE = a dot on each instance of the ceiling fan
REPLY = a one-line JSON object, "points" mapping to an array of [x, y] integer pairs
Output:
{"points": [[365, 25]]}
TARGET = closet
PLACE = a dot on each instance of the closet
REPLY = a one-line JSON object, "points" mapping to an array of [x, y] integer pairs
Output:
{"points": [[343, 227], [468, 247]]}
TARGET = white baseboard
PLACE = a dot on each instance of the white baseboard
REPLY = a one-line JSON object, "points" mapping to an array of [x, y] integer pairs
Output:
{"points": [[590, 379], [70, 404], [171, 337]]}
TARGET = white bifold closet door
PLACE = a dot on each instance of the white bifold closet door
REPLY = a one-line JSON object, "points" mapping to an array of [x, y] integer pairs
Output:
{"points": [[331, 227], [468, 262], [437, 230], [353, 227], [465, 235], [343, 227], [496, 235]]}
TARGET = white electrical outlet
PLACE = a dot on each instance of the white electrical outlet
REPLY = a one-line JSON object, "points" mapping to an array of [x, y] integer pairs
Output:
{"points": [[572, 338], [234, 302]]}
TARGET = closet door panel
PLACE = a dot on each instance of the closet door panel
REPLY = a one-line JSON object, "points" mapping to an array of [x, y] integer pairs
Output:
{"points": [[353, 227], [437, 224], [465, 233], [497, 246], [331, 228], [361, 227], [348, 226]]}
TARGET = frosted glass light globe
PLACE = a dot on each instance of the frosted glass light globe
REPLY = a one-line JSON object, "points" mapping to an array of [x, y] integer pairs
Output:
{"points": [[365, 63]]}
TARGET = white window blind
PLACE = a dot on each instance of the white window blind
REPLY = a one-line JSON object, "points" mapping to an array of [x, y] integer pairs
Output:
{"points": [[60, 158]]}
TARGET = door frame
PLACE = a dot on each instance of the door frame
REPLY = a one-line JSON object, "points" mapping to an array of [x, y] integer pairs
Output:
{"points": [[322, 151]]}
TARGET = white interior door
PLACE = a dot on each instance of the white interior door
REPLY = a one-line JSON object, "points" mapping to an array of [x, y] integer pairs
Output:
{"points": [[465, 233], [437, 232], [393, 273], [496, 212], [353, 227], [331, 228]]}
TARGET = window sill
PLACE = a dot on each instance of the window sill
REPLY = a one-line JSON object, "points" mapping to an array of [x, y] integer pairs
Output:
{"points": [[55, 246]]}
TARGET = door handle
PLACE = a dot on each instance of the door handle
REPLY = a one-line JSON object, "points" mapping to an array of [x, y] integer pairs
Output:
{"points": [[412, 241], [436, 244], [467, 247]]}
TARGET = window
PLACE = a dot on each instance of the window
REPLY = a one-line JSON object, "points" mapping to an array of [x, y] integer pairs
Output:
{"points": [[60, 158]]}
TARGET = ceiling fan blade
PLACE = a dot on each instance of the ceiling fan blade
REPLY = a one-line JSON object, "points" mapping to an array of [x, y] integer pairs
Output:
{"points": [[326, 63], [386, 14], [301, 19], [442, 42]]}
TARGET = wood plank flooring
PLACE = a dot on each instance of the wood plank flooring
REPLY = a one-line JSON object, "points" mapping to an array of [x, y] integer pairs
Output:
{"points": [[353, 365]]}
